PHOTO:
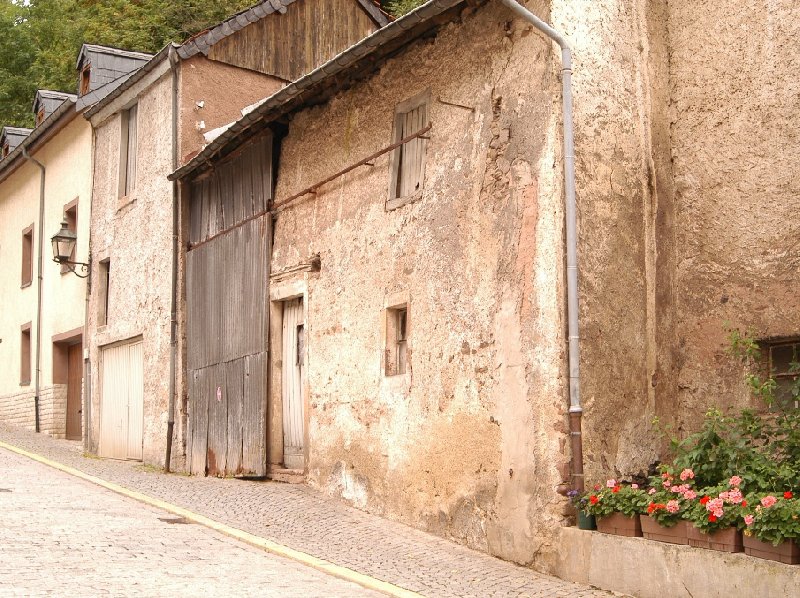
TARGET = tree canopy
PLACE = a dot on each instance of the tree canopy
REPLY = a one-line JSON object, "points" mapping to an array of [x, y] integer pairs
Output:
{"points": [[40, 39]]}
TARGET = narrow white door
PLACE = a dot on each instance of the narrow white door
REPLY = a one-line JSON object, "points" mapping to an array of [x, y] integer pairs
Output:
{"points": [[122, 402], [292, 384]]}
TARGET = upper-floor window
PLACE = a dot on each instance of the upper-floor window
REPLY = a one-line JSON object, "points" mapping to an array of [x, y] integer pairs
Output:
{"points": [[127, 151], [71, 218], [407, 163], [27, 256], [86, 80], [6, 149], [40, 116]]}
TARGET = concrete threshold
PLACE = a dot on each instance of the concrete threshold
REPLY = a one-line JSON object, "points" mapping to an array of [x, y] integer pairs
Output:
{"points": [[322, 565]]}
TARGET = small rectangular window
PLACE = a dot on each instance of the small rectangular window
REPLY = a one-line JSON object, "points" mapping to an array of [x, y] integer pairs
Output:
{"points": [[6, 149], [86, 80], [784, 365], [40, 116], [71, 218], [104, 287], [396, 354], [27, 256], [127, 151], [407, 163], [25, 355]]}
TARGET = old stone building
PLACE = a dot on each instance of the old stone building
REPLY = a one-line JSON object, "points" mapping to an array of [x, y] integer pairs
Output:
{"points": [[416, 313], [146, 127]]}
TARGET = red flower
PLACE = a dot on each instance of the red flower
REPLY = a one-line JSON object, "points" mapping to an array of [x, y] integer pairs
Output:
{"points": [[596, 487], [651, 507], [787, 495], [593, 499], [712, 518], [615, 489], [704, 500], [744, 503]]}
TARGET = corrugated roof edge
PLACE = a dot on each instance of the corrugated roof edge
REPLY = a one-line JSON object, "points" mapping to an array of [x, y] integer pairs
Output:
{"points": [[305, 83], [65, 109], [119, 86]]}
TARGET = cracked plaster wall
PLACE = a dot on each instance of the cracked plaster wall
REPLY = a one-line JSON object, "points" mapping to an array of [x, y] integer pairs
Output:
{"points": [[471, 444]]}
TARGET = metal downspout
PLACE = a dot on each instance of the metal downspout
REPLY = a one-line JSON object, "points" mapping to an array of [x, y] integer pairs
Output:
{"points": [[39, 287], [575, 410], [173, 327]]}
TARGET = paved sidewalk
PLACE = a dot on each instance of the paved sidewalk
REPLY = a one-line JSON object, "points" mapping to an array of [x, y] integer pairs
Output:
{"points": [[302, 519], [63, 536]]}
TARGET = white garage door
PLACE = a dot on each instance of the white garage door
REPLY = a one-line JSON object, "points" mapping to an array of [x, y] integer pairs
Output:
{"points": [[122, 402]]}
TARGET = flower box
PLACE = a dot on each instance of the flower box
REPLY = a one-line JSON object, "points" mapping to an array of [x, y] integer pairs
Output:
{"points": [[787, 551], [587, 522], [620, 525], [724, 540], [676, 534]]}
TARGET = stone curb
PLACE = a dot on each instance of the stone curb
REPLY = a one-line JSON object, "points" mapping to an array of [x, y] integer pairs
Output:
{"points": [[322, 565]]}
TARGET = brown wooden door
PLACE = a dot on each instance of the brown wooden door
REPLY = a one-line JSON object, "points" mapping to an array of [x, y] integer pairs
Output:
{"points": [[74, 384]]}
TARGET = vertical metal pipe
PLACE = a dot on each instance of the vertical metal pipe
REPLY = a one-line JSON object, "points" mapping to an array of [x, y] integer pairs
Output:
{"points": [[575, 410], [173, 334], [39, 275]]}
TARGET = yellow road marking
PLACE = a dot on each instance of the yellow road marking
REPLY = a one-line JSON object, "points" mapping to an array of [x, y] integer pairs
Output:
{"points": [[268, 545]]}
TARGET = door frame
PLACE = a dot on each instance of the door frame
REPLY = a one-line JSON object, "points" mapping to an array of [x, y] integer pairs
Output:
{"points": [[62, 343], [279, 293]]}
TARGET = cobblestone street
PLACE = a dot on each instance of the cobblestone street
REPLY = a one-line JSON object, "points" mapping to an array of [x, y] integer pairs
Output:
{"points": [[190, 556]]}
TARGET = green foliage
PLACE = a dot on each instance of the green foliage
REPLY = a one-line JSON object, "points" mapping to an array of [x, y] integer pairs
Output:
{"points": [[400, 7], [704, 519], [670, 495], [776, 523], [615, 499], [40, 39]]}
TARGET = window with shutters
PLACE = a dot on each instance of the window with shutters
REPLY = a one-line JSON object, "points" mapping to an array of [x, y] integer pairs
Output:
{"points": [[127, 152], [407, 163], [104, 287], [396, 353], [784, 367]]}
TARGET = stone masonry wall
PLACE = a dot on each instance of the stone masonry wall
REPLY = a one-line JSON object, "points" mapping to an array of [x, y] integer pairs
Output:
{"points": [[18, 409], [471, 444], [736, 146]]}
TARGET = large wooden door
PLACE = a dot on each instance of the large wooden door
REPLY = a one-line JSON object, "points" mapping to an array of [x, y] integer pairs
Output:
{"points": [[227, 300], [74, 386], [122, 402], [292, 384]]}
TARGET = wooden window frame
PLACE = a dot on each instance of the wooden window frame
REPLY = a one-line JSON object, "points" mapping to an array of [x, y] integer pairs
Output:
{"points": [[398, 156], [771, 346], [6, 149], [71, 218], [86, 79], [25, 355], [127, 166], [396, 353], [40, 116], [103, 287], [27, 257]]}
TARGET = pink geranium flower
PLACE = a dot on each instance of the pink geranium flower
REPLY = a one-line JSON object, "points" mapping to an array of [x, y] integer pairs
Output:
{"points": [[748, 519], [651, 491], [611, 483], [768, 501], [690, 495], [635, 486], [687, 474], [735, 481], [673, 506]]}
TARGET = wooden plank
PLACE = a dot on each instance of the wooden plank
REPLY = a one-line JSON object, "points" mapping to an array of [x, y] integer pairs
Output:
{"points": [[217, 448], [198, 416], [234, 383], [254, 453]]}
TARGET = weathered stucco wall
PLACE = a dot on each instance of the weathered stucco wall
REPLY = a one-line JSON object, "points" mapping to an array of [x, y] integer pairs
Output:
{"points": [[471, 444], [136, 235], [736, 146], [67, 158], [223, 90]]}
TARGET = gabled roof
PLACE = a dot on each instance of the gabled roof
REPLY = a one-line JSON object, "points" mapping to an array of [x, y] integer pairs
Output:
{"points": [[89, 49], [111, 67], [357, 61], [50, 100], [13, 136], [201, 42]]}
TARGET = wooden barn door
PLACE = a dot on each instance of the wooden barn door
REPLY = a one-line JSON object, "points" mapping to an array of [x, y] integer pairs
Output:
{"points": [[227, 291], [122, 402]]}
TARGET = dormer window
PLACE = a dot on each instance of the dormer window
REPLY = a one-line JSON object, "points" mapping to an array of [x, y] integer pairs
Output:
{"points": [[40, 115], [86, 78], [6, 149]]}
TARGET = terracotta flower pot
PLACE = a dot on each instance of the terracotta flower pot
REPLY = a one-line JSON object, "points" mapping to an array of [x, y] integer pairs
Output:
{"points": [[787, 551], [724, 540], [676, 534], [619, 525]]}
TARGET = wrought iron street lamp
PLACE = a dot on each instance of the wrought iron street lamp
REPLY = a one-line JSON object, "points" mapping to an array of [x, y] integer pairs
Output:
{"points": [[63, 246]]}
